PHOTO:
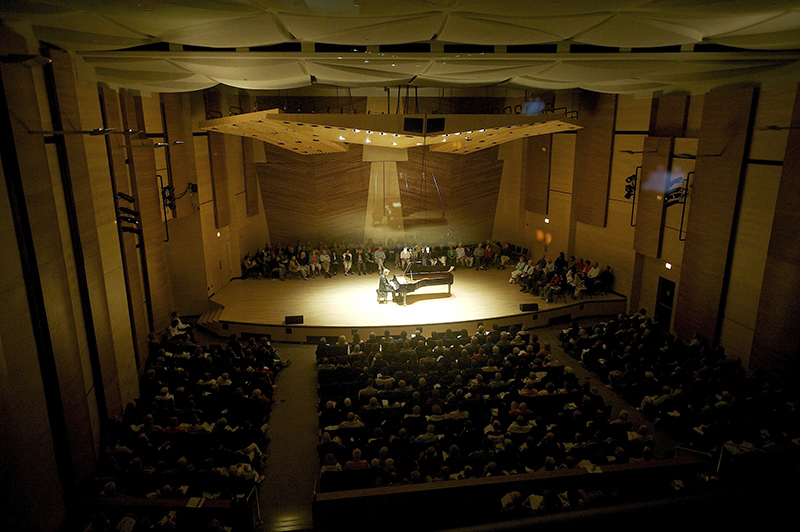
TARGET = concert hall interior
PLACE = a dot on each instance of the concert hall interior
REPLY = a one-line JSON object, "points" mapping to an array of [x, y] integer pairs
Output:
{"points": [[150, 149]]}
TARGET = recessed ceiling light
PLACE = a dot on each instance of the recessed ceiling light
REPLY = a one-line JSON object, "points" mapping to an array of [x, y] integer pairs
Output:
{"points": [[367, 141], [341, 137]]}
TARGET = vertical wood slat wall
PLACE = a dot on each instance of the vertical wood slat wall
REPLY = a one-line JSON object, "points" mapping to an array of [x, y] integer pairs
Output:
{"points": [[715, 197], [776, 347], [593, 148], [288, 193]]}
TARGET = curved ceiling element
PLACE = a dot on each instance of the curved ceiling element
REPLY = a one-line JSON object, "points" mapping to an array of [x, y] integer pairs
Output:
{"points": [[615, 46]]}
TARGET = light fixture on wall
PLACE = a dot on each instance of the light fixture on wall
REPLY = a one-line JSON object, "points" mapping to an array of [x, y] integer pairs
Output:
{"points": [[547, 220], [777, 128], [685, 194], [630, 190], [167, 202], [668, 265]]}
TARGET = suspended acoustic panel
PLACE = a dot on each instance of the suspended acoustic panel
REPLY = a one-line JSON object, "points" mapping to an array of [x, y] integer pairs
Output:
{"points": [[314, 134]]}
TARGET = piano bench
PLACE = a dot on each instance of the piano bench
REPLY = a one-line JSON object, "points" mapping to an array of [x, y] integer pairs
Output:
{"points": [[382, 296]]}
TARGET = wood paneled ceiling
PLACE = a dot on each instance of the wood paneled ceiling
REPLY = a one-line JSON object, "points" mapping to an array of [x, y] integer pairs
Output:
{"points": [[313, 134]]}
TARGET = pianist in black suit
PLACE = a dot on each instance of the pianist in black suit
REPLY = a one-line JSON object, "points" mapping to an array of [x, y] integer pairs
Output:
{"points": [[386, 284]]}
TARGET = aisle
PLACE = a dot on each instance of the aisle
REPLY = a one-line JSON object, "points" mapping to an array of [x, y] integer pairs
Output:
{"points": [[285, 495]]}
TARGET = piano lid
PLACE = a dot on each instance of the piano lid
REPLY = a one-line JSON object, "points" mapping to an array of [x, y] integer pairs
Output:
{"points": [[417, 268]]}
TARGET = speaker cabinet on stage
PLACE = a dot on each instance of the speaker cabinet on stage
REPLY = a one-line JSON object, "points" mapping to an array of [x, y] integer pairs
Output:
{"points": [[527, 307], [293, 320]]}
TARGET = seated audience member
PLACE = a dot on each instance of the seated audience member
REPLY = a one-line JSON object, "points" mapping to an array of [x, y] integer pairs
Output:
{"points": [[295, 267]]}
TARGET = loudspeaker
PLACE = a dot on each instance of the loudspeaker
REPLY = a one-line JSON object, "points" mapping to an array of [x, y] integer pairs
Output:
{"points": [[413, 125], [293, 320], [434, 125], [529, 307]]}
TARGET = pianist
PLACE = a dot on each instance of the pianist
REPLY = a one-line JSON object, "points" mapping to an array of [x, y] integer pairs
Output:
{"points": [[386, 284]]}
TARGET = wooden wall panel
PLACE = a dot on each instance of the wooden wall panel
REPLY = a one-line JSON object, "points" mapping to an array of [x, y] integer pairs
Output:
{"points": [[110, 252], [749, 257], [154, 252], [252, 199], [510, 212], [776, 346], [32, 448], [469, 187], [650, 196], [219, 179], [341, 194], [536, 180], [774, 109], [137, 313], [421, 205], [56, 267], [634, 114], [288, 194], [178, 134], [324, 197], [562, 162], [593, 148], [89, 263], [715, 198], [217, 156], [671, 116], [473, 196]]}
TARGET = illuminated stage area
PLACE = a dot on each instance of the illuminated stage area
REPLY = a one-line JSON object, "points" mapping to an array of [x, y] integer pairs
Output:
{"points": [[343, 305]]}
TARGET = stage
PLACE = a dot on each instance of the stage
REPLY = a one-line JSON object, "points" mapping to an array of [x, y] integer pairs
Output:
{"points": [[343, 305]]}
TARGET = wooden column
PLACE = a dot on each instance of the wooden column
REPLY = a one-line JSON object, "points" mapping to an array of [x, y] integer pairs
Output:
{"points": [[180, 149], [218, 165], [776, 342], [653, 182], [251, 197], [536, 177], [142, 165], [117, 155], [36, 461], [593, 148], [715, 197], [79, 198]]}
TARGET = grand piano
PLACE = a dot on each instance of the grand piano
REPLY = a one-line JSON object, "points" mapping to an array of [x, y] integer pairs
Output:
{"points": [[418, 275]]}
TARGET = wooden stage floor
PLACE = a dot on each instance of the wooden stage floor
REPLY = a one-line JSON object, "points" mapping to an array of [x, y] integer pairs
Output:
{"points": [[349, 303]]}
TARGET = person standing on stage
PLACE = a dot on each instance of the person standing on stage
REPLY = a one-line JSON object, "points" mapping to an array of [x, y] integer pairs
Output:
{"points": [[380, 257]]}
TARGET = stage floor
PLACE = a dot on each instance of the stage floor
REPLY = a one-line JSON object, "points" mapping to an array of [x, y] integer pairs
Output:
{"points": [[351, 302]]}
